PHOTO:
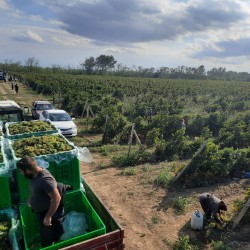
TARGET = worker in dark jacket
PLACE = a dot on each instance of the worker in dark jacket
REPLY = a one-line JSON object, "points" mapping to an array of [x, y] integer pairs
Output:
{"points": [[212, 206], [46, 199]]}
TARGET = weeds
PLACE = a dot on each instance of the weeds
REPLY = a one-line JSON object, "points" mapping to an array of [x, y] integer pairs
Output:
{"points": [[180, 204], [220, 245], [183, 243], [130, 171], [164, 178], [155, 219]]}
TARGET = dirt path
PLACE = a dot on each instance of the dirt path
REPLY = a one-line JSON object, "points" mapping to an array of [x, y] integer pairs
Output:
{"points": [[146, 213]]}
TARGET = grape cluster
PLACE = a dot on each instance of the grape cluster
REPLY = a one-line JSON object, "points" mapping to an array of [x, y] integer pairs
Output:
{"points": [[29, 127], [41, 145]]}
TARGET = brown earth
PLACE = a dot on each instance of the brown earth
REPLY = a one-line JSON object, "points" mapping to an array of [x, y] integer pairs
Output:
{"points": [[144, 211]]}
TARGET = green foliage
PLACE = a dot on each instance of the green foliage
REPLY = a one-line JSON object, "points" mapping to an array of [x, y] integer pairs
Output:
{"points": [[220, 245], [211, 166], [134, 158], [175, 147], [130, 171], [183, 243], [236, 132], [242, 162], [239, 204], [212, 109], [180, 204], [164, 178], [153, 137]]}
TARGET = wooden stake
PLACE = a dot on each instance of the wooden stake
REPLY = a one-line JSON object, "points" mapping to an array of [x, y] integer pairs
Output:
{"points": [[188, 165], [131, 138], [241, 214]]}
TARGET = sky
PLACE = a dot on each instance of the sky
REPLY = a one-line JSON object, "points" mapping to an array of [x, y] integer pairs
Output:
{"points": [[146, 33]]}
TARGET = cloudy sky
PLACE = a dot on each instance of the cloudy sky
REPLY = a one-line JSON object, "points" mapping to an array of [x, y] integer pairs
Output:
{"points": [[147, 33]]}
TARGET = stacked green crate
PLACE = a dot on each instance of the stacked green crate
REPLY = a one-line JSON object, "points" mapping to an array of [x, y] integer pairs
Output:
{"points": [[67, 172], [73, 201], [5, 195], [64, 166], [29, 128]]}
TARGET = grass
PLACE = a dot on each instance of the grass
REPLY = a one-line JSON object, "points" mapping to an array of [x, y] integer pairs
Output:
{"points": [[181, 203], [155, 219], [130, 171], [164, 178]]}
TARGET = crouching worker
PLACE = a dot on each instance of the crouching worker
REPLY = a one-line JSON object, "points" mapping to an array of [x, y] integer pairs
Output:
{"points": [[46, 196], [212, 207]]}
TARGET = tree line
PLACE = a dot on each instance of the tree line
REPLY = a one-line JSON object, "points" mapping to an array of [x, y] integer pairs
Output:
{"points": [[107, 65]]}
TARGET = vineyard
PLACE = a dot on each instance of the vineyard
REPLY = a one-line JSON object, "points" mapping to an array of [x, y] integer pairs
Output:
{"points": [[172, 119], [215, 110]]}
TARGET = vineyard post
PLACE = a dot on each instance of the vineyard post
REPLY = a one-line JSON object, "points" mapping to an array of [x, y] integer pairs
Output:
{"points": [[105, 128], [85, 105], [241, 214], [131, 138], [87, 115], [189, 163]]}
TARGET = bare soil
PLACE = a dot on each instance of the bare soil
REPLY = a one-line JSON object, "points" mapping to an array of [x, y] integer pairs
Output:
{"points": [[144, 211], [147, 215]]}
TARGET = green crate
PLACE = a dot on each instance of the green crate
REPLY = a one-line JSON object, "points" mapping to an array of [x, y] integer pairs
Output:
{"points": [[67, 172], [27, 135], [6, 217], [73, 201], [5, 194]]}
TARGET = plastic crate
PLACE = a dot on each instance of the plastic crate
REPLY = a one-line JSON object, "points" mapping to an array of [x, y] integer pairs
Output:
{"points": [[73, 201], [67, 172], [27, 135], [6, 216], [5, 194]]}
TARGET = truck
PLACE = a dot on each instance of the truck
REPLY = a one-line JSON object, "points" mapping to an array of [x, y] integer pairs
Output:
{"points": [[10, 111], [39, 106]]}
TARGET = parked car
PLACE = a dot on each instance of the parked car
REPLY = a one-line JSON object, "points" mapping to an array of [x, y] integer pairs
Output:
{"points": [[61, 120], [38, 107]]}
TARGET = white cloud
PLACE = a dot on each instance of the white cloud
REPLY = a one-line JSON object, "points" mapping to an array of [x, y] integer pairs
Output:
{"points": [[35, 37], [119, 50], [70, 40]]}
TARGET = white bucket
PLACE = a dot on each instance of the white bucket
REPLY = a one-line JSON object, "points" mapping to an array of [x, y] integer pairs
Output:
{"points": [[197, 220]]}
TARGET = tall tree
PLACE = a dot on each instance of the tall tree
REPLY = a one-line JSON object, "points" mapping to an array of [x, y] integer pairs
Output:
{"points": [[104, 62], [89, 65]]}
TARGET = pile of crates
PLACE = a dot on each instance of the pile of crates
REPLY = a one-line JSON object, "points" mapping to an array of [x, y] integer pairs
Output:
{"points": [[66, 171]]}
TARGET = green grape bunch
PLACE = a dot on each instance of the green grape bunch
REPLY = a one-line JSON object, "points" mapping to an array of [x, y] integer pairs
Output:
{"points": [[41, 145], [29, 127]]}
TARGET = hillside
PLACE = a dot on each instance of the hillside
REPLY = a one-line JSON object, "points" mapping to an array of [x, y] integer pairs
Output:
{"points": [[147, 212]]}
